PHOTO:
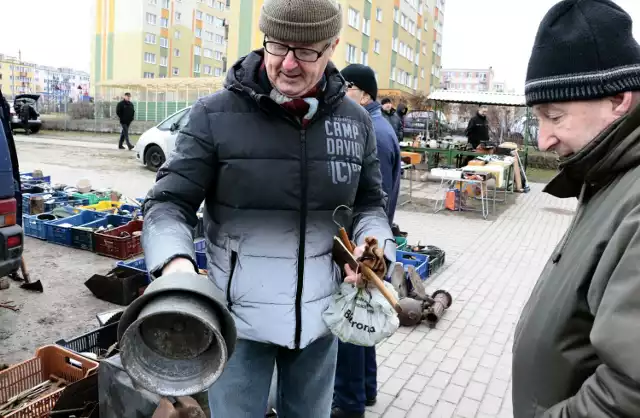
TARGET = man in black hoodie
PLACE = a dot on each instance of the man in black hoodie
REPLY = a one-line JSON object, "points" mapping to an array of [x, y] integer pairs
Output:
{"points": [[126, 112], [478, 129]]}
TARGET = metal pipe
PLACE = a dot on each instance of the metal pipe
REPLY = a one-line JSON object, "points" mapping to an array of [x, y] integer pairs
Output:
{"points": [[441, 301]]}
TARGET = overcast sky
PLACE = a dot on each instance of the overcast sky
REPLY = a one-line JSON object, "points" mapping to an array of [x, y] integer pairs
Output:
{"points": [[477, 34]]}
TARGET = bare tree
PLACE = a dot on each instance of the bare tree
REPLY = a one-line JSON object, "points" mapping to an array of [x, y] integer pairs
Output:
{"points": [[500, 120]]}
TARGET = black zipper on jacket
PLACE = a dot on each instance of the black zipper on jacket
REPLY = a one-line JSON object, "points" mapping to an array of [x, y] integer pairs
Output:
{"points": [[232, 265], [303, 233]]}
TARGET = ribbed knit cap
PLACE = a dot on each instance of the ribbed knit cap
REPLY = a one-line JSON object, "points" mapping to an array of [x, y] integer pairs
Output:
{"points": [[584, 49], [303, 21]]}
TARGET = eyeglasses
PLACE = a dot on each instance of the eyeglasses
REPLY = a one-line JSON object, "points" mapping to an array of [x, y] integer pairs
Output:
{"points": [[301, 54]]}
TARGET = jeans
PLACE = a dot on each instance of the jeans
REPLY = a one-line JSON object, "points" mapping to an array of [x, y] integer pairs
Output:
{"points": [[305, 380], [355, 377], [124, 135]]}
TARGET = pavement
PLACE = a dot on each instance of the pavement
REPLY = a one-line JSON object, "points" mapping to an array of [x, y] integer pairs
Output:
{"points": [[462, 368]]}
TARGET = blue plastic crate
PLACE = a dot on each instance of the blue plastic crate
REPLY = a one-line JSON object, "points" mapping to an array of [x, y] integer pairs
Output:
{"points": [[419, 261], [83, 239], [136, 264], [28, 177], [35, 227], [62, 234]]}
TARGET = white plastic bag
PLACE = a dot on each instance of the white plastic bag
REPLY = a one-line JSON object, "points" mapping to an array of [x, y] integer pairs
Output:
{"points": [[361, 316]]}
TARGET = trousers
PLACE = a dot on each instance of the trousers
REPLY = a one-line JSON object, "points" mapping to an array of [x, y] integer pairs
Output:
{"points": [[304, 383], [356, 375]]}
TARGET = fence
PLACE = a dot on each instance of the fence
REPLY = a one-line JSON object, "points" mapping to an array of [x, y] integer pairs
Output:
{"points": [[154, 101]]}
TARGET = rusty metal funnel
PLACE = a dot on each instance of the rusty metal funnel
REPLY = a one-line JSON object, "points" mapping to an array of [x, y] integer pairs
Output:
{"points": [[176, 338]]}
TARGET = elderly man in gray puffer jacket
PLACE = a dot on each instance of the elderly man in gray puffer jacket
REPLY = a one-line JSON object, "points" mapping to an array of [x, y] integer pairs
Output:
{"points": [[272, 155]]}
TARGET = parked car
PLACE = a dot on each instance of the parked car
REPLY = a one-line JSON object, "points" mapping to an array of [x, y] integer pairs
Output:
{"points": [[34, 119], [417, 122], [157, 143], [11, 236]]}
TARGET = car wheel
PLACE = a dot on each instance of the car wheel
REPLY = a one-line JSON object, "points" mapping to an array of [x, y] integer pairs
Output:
{"points": [[154, 157], [35, 129]]}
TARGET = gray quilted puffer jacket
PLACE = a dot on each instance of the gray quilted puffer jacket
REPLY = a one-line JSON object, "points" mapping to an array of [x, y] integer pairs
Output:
{"points": [[270, 187]]}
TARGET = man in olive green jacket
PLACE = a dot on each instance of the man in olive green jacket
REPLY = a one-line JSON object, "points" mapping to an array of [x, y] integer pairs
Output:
{"points": [[576, 345]]}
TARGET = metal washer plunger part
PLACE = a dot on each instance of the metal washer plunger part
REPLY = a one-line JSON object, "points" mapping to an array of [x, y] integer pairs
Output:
{"points": [[176, 339]]}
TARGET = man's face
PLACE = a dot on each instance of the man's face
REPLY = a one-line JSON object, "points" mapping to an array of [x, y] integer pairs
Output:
{"points": [[567, 127], [483, 110], [292, 76], [387, 106], [355, 94], [127, 98]]}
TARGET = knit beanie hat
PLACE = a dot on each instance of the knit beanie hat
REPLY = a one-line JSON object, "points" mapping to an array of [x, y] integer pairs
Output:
{"points": [[362, 77], [584, 49], [302, 21]]}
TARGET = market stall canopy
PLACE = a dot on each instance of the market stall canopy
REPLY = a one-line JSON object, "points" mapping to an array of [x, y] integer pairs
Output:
{"points": [[162, 84], [478, 97]]}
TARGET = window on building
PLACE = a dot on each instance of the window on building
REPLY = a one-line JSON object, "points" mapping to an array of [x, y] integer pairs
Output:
{"points": [[210, 3], [419, 34], [177, 34], [217, 72], [426, 26], [219, 23], [176, 52], [164, 22], [393, 74], [150, 38], [164, 42], [196, 50], [165, 4], [208, 35], [220, 5], [163, 61], [208, 53], [366, 26], [351, 54], [198, 14], [354, 18], [175, 71], [219, 39], [148, 75], [379, 14], [218, 55], [209, 19], [207, 69], [415, 83], [149, 58], [196, 68], [198, 33], [177, 16], [153, 2], [422, 73], [364, 58], [151, 19], [376, 46], [394, 45], [396, 15]]}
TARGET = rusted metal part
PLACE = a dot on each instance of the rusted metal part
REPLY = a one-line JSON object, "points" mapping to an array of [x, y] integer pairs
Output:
{"points": [[412, 312], [441, 301], [9, 304]]}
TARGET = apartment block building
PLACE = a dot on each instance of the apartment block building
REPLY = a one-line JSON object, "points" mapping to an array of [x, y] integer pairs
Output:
{"points": [[158, 38], [400, 39], [472, 79], [19, 77]]}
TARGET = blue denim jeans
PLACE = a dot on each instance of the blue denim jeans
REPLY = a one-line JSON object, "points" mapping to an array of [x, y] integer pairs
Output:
{"points": [[305, 380], [356, 375]]}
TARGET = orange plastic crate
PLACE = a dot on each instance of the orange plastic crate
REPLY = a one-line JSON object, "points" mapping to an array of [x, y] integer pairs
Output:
{"points": [[49, 360]]}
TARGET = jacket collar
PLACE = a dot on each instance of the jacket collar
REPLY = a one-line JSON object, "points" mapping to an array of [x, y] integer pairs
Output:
{"points": [[373, 108], [613, 152]]}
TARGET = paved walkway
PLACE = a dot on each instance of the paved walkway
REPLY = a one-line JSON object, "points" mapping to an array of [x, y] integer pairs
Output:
{"points": [[463, 367]]}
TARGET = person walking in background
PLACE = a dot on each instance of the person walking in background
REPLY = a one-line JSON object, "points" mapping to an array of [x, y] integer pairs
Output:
{"points": [[575, 346], [272, 155], [126, 113], [356, 372], [389, 112]]}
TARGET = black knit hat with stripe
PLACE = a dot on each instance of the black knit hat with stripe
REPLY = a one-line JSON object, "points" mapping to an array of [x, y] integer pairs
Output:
{"points": [[584, 50]]}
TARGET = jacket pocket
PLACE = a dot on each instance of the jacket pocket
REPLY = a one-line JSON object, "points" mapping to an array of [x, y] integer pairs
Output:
{"points": [[232, 267]]}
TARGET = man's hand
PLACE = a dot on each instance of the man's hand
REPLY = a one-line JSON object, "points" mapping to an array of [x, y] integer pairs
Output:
{"points": [[185, 407], [370, 255], [178, 264]]}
